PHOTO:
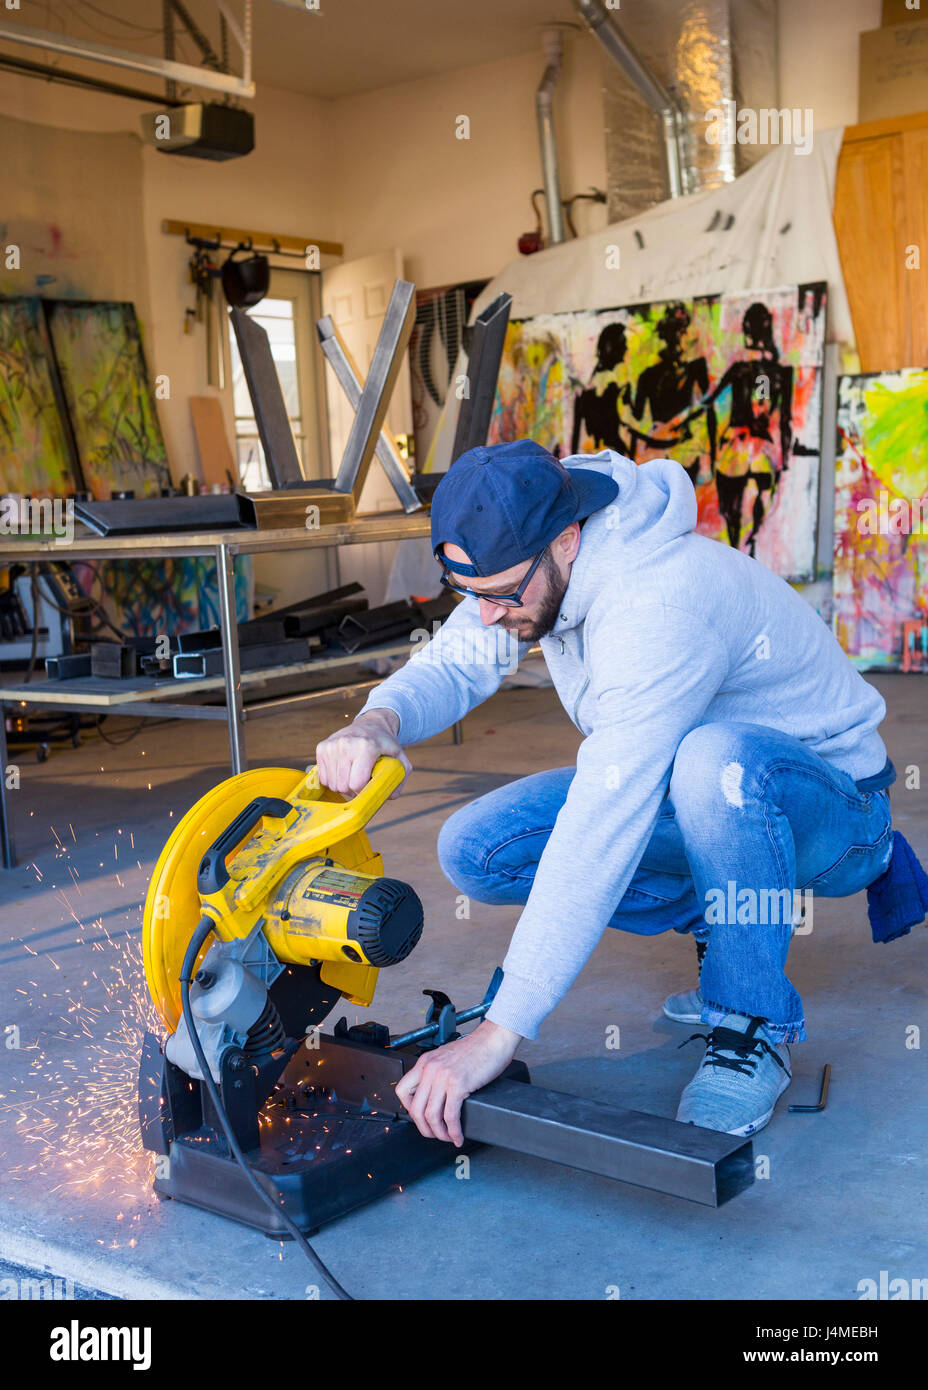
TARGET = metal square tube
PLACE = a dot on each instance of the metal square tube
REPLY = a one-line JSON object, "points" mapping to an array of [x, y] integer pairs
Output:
{"points": [[626, 1145]]}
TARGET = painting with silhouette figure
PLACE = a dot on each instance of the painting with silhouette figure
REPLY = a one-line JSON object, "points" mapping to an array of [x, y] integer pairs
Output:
{"points": [[729, 385], [881, 519]]}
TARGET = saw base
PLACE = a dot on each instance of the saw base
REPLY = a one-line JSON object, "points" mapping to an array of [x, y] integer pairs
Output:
{"points": [[330, 1141], [357, 1159]]}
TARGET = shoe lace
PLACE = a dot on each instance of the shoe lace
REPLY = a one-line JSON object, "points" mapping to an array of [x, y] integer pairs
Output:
{"points": [[738, 1052]]}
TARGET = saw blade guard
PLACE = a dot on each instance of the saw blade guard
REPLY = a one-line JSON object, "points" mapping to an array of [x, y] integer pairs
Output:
{"points": [[273, 847]]}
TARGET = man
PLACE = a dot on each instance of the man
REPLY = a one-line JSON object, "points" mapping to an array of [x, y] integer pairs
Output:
{"points": [[671, 387], [599, 407], [731, 756], [756, 443]]}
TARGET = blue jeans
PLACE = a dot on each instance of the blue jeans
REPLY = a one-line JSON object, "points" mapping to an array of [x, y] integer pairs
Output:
{"points": [[751, 816]]}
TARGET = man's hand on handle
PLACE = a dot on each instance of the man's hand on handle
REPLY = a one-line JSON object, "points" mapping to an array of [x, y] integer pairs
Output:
{"points": [[345, 760], [434, 1090], [437, 1086]]}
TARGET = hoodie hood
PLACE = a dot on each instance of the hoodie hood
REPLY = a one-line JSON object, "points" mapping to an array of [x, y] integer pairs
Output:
{"points": [[656, 505]]}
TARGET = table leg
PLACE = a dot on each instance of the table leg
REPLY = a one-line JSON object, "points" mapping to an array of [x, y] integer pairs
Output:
{"points": [[228, 624], [7, 848]]}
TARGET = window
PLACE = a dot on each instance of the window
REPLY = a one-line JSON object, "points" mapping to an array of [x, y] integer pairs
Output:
{"points": [[287, 315]]}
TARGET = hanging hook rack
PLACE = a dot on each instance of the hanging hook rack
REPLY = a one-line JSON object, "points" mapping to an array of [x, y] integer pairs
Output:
{"points": [[202, 243], [274, 243]]}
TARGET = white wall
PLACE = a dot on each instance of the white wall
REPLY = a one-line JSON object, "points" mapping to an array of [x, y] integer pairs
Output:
{"points": [[819, 42], [456, 208]]}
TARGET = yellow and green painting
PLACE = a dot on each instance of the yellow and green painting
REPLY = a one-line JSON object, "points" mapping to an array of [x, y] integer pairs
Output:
{"points": [[109, 397], [35, 452], [728, 385], [881, 516]]}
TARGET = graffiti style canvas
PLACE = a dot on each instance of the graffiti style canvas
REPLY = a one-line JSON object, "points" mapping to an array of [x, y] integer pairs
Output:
{"points": [[109, 397], [729, 385], [35, 450], [881, 514], [145, 597]]}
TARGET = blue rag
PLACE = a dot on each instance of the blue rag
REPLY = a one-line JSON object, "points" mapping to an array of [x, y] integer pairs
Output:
{"points": [[898, 900]]}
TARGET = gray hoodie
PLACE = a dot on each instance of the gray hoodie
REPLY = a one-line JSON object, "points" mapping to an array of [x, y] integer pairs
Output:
{"points": [[660, 630]]}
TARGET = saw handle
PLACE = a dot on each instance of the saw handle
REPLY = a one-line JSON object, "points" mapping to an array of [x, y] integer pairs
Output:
{"points": [[212, 873], [386, 776], [342, 819]]}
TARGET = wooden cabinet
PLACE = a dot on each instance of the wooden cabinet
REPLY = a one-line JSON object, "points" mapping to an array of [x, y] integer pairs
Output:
{"points": [[881, 221]]}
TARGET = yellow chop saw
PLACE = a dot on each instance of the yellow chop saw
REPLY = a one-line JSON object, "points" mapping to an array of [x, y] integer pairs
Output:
{"points": [[266, 907]]}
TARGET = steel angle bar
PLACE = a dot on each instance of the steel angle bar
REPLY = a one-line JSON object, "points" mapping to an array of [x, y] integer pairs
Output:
{"points": [[267, 398], [486, 352], [385, 367], [334, 351]]}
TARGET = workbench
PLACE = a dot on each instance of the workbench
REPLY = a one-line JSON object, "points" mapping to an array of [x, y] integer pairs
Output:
{"points": [[149, 697]]}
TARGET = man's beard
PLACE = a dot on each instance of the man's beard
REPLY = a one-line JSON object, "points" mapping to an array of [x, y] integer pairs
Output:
{"points": [[550, 607]]}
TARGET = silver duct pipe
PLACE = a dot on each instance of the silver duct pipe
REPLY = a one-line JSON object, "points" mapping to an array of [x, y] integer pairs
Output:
{"points": [[604, 28], [544, 102]]}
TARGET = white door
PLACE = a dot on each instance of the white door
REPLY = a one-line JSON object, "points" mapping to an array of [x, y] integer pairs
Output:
{"points": [[356, 295]]}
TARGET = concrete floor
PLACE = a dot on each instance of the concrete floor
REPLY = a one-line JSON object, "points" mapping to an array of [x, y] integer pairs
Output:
{"points": [[847, 1191]]}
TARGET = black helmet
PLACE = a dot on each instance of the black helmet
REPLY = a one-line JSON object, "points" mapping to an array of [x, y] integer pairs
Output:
{"points": [[245, 282]]}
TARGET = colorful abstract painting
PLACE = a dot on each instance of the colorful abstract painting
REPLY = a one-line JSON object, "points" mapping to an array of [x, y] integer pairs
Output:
{"points": [[729, 385], [109, 397], [35, 450], [881, 515], [145, 597]]}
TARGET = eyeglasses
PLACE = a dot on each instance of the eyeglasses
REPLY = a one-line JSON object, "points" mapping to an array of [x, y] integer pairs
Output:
{"points": [[504, 600]]}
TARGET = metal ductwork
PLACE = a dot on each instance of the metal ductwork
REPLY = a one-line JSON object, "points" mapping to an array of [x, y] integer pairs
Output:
{"points": [[619, 48], [679, 60], [544, 103]]}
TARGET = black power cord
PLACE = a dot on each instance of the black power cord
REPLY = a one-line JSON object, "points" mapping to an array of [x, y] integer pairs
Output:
{"points": [[127, 738], [203, 930]]}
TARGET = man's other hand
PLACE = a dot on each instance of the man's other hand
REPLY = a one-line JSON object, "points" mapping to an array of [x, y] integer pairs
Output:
{"points": [[437, 1086], [345, 760]]}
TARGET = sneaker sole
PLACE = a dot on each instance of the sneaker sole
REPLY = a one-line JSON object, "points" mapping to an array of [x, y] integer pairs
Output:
{"points": [[681, 1018], [746, 1131]]}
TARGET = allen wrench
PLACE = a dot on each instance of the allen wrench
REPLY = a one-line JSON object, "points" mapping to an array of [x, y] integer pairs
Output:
{"points": [[822, 1096]]}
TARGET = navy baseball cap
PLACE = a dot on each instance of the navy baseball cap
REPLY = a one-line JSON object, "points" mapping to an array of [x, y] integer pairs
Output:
{"points": [[503, 503]]}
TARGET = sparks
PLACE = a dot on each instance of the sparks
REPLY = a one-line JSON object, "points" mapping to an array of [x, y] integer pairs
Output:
{"points": [[81, 1109]]}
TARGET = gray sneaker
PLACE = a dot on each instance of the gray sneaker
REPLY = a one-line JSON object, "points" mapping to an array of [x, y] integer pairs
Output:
{"points": [[687, 1007], [684, 1008], [739, 1080]]}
